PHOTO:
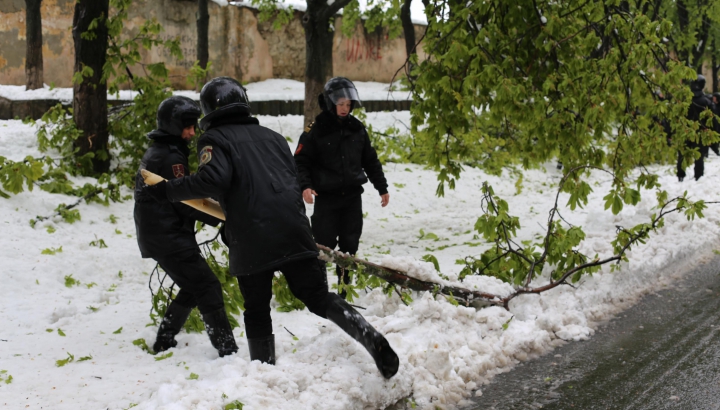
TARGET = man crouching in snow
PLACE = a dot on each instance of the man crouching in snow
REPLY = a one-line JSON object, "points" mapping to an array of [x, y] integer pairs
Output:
{"points": [[251, 171], [165, 231]]}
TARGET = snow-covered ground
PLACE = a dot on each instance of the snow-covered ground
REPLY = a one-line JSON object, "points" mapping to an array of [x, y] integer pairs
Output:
{"points": [[446, 352], [267, 90]]}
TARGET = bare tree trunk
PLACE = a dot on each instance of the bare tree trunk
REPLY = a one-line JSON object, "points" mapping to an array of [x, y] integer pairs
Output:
{"points": [[408, 27], [90, 96], [318, 51], [714, 67], [684, 22], [34, 42], [203, 21]]}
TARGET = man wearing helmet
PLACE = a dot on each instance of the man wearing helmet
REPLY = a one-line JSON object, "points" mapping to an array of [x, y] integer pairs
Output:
{"points": [[700, 102], [251, 171], [334, 159], [165, 231]]}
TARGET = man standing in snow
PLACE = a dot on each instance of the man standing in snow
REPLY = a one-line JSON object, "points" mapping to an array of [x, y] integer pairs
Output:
{"points": [[165, 231], [251, 171], [334, 160], [699, 104]]}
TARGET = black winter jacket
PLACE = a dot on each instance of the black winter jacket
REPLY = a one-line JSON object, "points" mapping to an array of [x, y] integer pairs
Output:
{"points": [[335, 155], [250, 170], [163, 227], [700, 103]]}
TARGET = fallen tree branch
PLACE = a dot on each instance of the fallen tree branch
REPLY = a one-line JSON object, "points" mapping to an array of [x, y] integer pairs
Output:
{"points": [[464, 296]]}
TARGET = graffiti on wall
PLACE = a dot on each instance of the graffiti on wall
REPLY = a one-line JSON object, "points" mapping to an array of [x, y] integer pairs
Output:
{"points": [[362, 49], [187, 46]]}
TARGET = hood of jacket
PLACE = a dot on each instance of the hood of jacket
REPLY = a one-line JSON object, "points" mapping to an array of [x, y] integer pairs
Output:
{"points": [[165, 138]]}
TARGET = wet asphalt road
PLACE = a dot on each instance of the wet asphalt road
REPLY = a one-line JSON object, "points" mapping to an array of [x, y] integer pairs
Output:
{"points": [[663, 353]]}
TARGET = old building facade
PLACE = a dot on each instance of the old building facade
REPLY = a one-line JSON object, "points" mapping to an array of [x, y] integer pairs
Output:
{"points": [[240, 45]]}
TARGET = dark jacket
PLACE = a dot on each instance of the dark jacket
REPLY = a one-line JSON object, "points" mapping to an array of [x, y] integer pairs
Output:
{"points": [[716, 110], [164, 227], [700, 103], [335, 155], [250, 170]]}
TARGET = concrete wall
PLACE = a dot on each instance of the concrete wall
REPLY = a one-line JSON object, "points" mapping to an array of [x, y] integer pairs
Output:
{"points": [[240, 46], [57, 41]]}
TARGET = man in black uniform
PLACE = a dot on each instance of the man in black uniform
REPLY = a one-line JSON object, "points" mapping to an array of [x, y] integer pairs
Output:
{"points": [[334, 159], [700, 102], [715, 98], [250, 170], [165, 231]]}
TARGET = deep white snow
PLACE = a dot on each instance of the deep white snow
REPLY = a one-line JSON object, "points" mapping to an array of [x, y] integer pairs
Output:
{"points": [[446, 352]]}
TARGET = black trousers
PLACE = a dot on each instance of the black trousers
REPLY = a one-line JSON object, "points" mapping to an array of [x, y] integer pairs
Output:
{"points": [[307, 282], [338, 220], [699, 168], [198, 284]]}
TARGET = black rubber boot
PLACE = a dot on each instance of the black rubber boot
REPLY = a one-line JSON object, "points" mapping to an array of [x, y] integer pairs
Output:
{"points": [[323, 268], [171, 324], [220, 333], [263, 349], [352, 322]]}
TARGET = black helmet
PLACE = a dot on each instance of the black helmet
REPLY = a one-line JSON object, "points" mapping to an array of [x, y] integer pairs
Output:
{"points": [[337, 88], [222, 95], [222, 92], [717, 96], [698, 84], [176, 113]]}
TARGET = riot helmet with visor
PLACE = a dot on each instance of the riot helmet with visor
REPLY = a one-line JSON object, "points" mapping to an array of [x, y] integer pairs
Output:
{"points": [[337, 88]]}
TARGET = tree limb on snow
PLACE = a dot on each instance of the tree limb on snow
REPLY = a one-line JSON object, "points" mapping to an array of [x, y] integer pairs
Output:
{"points": [[464, 296]]}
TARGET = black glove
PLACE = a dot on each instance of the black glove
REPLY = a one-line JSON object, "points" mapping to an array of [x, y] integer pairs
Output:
{"points": [[222, 234], [157, 191]]}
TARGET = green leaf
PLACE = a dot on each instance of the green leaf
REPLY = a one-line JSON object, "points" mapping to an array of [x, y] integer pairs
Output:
{"points": [[164, 356], [432, 259], [507, 324], [234, 405], [70, 281], [63, 362], [52, 251], [142, 345]]}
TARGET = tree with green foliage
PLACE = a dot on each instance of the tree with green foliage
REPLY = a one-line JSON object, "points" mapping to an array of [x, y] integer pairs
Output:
{"points": [[319, 25], [515, 85], [319, 33], [692, 21]]}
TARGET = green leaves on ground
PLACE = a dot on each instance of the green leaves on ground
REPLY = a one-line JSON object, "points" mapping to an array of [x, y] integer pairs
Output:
{"points": [[70, 359], [5, 377], [234, 405], [142, 345], [51, 251]]}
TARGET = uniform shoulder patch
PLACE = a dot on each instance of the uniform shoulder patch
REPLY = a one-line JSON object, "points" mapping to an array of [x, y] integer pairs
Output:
{"points": [[205, 155], [309, 126], [178, 170]]}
